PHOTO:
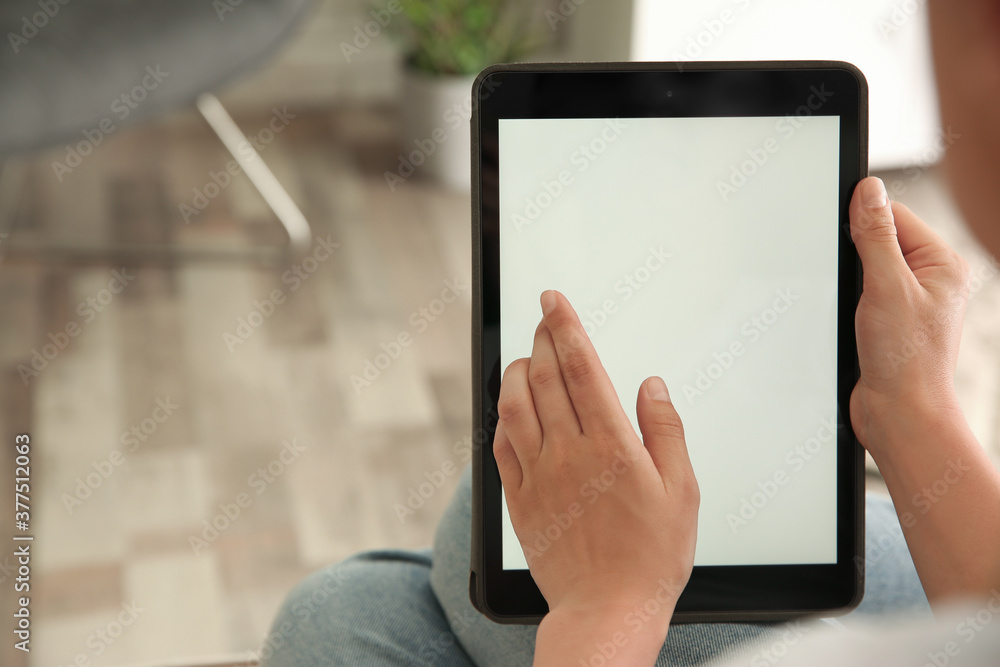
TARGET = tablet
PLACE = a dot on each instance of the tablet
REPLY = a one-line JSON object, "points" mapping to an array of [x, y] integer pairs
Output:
{"points": [[695, 215]]}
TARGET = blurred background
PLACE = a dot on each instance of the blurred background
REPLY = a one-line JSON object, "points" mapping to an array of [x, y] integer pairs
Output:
{"points": [[230, 231]]}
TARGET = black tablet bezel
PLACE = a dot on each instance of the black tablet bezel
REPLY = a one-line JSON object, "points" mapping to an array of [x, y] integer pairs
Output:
{"points": [[604, 90]]}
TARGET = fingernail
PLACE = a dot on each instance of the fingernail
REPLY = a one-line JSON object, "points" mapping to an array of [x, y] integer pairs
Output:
{"points": [[548, 301], [873, 193], [657, 389]]}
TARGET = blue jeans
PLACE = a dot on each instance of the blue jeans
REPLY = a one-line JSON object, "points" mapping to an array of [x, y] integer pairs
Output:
{"points": [[396, 607]]}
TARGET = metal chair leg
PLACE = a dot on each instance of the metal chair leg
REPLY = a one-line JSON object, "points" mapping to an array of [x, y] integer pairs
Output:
{"points": [[299, 235], [294, 222]]}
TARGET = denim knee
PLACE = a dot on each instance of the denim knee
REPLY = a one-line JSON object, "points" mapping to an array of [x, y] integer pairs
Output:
{"points": [[374, 607]]}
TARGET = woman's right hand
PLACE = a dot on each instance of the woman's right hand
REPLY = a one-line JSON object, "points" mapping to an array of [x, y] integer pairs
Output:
{"points": [[904, 409], [909, 319]]}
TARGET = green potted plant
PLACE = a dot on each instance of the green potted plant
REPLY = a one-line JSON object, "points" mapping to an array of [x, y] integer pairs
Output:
{"points": [[446, 43]]}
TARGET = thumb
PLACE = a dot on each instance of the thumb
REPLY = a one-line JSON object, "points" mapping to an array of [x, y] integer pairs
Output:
{"points": [[873, 229], [662, 431]]}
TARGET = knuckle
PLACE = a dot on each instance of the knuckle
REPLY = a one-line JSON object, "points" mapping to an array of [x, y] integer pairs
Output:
{"points": [[955, 276], [692, 491], [686, 492], [567, 331], [509, 407], [960, 272], [503, 453], [878, 226], [577, 366], [543, 374], [667, 423], [499, 449], [516, 367], [558, 318]]}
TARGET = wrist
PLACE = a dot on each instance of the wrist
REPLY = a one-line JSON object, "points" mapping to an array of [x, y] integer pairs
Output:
{"points": [[905, 422], [618, 633]]}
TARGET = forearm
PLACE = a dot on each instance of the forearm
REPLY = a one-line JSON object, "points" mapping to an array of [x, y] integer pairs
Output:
{"points": [[617, 636], [947, 495]]}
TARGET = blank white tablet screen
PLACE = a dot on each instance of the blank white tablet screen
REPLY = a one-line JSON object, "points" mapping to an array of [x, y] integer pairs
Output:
{"points": [[703, 250]]}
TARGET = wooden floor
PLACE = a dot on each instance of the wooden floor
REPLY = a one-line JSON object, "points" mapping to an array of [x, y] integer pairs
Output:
{"points": [[273, 422], [254, 366]]}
